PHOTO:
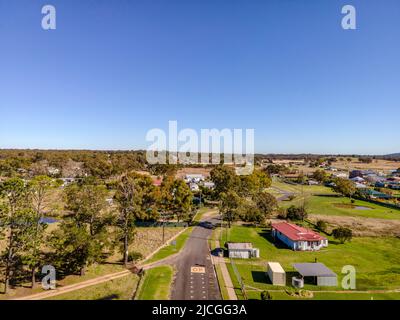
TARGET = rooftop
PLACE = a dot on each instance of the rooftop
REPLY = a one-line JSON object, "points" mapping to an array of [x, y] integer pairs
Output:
{"points": [[296, 233], [276, 267], [240, 245], [314, 270]]}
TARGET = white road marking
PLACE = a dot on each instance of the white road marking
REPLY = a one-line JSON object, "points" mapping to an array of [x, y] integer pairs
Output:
{"points": [[198, 270]]}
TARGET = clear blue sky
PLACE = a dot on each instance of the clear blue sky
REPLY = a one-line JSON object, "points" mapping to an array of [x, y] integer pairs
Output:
{"points": [[115, 69]]}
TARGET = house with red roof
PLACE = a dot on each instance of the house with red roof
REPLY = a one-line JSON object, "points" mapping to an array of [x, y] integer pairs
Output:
{"points": [[298, 238]]}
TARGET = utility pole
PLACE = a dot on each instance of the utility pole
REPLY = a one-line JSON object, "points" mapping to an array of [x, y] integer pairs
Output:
{"points": [[163, 229]]}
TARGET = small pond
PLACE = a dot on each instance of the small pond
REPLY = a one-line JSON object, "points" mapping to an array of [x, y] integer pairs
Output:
{"points": [[362, 208]]}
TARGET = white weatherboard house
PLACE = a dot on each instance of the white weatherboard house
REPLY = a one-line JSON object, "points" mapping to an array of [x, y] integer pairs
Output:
{"points": [[276, 274], [243, 250], [298, 238]]}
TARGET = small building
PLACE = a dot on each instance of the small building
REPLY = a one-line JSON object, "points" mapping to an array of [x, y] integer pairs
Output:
{"points": [[196, 178], [339, 174], [360, 185], [53, 171], [194, 187], [67, 181], [321, 274], [380, 184], [373, 194], [357, 179], [298, 238], [209, 185], [243, 250], [276, 274]]}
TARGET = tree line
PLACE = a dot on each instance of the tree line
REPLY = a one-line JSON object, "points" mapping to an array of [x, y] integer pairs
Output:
{"points": [[90, 232]]}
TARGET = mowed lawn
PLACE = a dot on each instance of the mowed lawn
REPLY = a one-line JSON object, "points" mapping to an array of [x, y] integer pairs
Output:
{"points": [[321, 200], [156, 284], [377, 260], [340, 206]]}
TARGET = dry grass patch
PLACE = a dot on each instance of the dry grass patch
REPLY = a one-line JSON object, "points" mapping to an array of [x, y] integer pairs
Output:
{"points": [[362, 227]]}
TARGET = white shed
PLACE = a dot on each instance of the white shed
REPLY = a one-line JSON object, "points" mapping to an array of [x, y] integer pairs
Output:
{"points": [[276, 274], [243, 250]]}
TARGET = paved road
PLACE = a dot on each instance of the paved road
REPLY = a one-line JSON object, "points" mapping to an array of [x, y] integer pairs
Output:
{"points": [[196, 286]]}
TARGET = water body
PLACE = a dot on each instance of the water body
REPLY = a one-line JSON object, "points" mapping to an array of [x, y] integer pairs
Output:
{"points": [[48, 220], [362, 208]]}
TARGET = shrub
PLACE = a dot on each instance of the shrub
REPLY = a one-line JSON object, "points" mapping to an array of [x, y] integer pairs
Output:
{"points": [[134, 256], [281, 213], [322, 225], [342, 234], [296, 213]]}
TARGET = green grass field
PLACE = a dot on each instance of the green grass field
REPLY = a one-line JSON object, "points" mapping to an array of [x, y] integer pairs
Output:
{"points": [[118, 289], [171, 249], [321, 200], [295, 188], [340, 206], [377, 260], [156, 284]]}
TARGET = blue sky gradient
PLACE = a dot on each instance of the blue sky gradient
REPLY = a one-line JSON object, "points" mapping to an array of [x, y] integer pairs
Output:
{"points": [[115, 69]]}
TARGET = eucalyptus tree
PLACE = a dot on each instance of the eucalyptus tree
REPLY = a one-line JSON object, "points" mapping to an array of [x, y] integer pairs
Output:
{"points": [[13, 207], [38, 189], [83, 236], [176, 198], [135, 197]]}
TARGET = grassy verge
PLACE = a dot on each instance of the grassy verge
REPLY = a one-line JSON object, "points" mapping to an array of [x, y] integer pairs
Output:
{"points": [[220, 278], [235, 282], [117, 289], [156, 284], [171, 249]]}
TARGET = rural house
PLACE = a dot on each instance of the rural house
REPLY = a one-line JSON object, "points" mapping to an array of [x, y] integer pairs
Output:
{"points": [[298, 238]]}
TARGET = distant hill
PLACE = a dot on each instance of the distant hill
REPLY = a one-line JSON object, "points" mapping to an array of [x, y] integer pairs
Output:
{"points": [[395, 155]]}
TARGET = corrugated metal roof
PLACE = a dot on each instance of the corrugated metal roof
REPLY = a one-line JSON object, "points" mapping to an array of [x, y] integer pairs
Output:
{"points": [[297, 233], [314, 270], [240, 245]]}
